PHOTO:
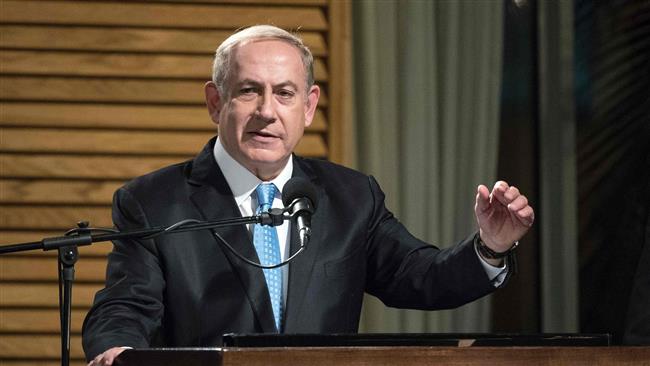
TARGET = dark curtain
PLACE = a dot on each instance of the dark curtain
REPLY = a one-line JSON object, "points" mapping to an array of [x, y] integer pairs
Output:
{"points": [[612, 72]]}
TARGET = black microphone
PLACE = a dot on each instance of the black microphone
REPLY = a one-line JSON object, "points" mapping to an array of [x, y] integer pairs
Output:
{"points": [[300, 198]]}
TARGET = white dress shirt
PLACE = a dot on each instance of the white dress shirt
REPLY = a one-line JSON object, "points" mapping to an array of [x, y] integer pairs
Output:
{"points": [[242, 183]]}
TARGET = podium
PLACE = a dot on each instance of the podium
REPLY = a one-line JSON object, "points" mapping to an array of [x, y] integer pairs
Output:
{"points": [[388, 356], [395, 350]]}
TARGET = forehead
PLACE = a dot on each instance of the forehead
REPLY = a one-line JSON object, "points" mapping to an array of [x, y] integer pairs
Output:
{"points": [[267, 59]]}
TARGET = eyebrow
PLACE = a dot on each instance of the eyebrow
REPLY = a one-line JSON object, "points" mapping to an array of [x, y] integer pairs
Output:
{"points": [[287, 83], [257, 83]]}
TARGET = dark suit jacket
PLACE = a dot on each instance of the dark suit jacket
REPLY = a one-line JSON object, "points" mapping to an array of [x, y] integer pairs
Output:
{"points": [[186, 289]]}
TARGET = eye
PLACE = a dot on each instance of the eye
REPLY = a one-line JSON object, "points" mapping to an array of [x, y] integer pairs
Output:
{"points": [[247, 90], [248, 93], [285, 93]]}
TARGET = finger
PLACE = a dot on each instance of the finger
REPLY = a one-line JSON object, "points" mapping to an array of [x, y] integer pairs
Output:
{"points": [[97, 360], [511, 193], [108, 360], [526, 216], [111, 355], [518, 203], [498, 192], [482, 199]]}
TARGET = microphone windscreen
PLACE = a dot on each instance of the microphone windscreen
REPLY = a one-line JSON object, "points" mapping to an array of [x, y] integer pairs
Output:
{"points": [[298, 187]]}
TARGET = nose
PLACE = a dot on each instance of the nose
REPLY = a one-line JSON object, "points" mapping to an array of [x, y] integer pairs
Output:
{"points": [[265, 107]]}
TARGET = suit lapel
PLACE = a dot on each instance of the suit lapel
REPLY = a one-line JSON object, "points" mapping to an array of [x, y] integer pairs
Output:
{"points": [[300, 269], [213, 198]]}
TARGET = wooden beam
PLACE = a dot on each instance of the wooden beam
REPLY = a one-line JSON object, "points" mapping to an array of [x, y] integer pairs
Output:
{"points": [[30, 346], [77, 89], [143, 117], [132, 142], [101, 141], [117, 65], [45, 191], [44, 269], [78, 38], [81, 167], [160, 15], [52, 217], [341, 133], [38, 320], [44, 295]]}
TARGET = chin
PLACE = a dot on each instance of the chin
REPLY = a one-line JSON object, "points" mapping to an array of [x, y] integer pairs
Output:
{"points": [[268, 158]]}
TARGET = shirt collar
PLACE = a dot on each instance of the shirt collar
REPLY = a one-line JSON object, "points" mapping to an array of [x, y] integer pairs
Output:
{"points": [[241, 181]]}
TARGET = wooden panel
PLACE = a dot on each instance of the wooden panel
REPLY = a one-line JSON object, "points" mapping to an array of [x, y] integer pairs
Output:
{"points": [[117, 116], [57, 191], [429, 356], [45, 346], [160, 15], [62, 166], [106, 90], [101, 90], [341, 134], [91, 94], [117, 65], [45, 295], [105, 116], [44, 268], [37, 320], [128, 39], [53, 218], [80, 141], [56, 362]]}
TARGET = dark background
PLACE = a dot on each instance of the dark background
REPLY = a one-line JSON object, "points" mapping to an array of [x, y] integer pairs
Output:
{"points": [[612, 119]]}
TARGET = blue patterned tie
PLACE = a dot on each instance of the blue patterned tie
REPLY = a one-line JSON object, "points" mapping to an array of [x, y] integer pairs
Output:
{"points": [[265, 239]]}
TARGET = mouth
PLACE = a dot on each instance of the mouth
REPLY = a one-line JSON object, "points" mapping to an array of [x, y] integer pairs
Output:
{"points": [[263, 136]]}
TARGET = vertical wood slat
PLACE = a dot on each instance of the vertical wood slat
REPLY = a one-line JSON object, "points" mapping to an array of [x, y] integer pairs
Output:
{"points": [[93, 95], [341, 128]]}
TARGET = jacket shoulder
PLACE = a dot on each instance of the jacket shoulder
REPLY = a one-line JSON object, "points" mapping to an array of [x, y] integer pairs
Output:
{"points": [[331, 171], [160, 180]]}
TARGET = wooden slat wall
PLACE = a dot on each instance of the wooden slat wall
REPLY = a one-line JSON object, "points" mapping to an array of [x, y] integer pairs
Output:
{"points": [[93, 93]]}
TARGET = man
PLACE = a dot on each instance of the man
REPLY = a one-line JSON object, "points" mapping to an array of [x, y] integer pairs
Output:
{"points": [[186, 289]]}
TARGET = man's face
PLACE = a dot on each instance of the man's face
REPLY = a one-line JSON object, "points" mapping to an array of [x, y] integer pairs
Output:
{"points": [[265, 107]]}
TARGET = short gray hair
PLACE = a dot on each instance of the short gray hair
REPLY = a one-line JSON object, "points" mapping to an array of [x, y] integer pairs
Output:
{"points": [[221, 65]]}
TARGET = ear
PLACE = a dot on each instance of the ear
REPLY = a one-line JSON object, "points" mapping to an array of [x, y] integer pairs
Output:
{"points": [[213, 101], [311, 104]]}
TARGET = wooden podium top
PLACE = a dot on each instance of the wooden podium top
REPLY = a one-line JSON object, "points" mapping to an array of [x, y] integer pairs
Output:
{"points": [[393, 356]]}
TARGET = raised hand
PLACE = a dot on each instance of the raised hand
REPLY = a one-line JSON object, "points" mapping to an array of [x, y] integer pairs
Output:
{"points": [[503, 215]]}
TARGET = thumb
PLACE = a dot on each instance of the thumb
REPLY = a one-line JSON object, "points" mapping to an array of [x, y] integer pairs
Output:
{"points": [[482, 199]]}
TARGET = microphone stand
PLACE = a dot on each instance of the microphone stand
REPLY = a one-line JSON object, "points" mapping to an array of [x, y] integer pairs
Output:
{"points": [[67, 247]]}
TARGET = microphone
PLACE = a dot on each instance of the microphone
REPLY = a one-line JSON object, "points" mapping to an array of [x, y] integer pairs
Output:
{"points": [[300, 198]]}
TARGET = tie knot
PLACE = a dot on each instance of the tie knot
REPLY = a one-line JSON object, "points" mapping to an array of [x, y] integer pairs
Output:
{"points": [[265, 195]]}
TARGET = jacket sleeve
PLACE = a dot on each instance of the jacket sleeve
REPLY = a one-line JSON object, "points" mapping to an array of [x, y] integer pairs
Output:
{"points": [[406, 272], [128, 311]]}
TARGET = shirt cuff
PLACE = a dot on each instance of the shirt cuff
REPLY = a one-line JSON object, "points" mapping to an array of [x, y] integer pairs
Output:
{"points": [[496, 274]]}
